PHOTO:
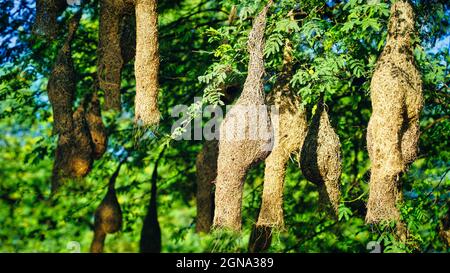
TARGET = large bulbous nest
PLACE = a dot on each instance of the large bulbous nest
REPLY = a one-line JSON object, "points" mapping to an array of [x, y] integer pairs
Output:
{"points": [[320, 158], [245, 135], [393, 130], [73, 157]]}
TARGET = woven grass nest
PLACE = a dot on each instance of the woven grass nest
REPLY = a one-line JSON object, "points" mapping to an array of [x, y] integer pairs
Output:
{"points": [[108, 216], [393, 130], [290, 127], [245, 134], [110, 62], [146, 64], [320, 158]]}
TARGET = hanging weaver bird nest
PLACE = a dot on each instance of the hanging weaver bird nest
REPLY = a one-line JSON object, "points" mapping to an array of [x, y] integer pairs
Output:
{"points": [[146, 64], [320, 158], [110, 61], [245, 134], [61, 92], [151, 231], [290, 128], [96, 127], [128, 34], [61, 83], [47, 12], [73, 157], [206, 168], [108, 216], [206, 165], [393, 130]]}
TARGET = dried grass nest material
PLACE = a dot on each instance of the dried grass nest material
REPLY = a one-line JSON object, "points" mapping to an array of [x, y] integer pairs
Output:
{"points": [[61, 83], [110, 62], [245, 134], [108, 216], [73, 158], [47, 12], [206, 169], [206, 165], [146, 64], [73, 152], [393, 130], [320, 158], [96, 127], [290, 127]]}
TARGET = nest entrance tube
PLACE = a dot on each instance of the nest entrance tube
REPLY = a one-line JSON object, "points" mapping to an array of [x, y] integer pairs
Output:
{"points": [[393, 130], [110, 60], [320, 158], [146, 64], [245, 134]]}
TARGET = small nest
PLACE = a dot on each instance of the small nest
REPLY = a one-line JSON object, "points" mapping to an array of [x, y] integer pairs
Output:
{"points": [[96, 127], [47, 12], [320, 158], [206, 166], [290, 128], [393, 130], [146, 64], [110, 60], [108, 217], [151, 231], [245, 135]]}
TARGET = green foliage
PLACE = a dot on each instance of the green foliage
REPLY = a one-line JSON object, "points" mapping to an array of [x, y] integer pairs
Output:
{"points": [[335, 46]]}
